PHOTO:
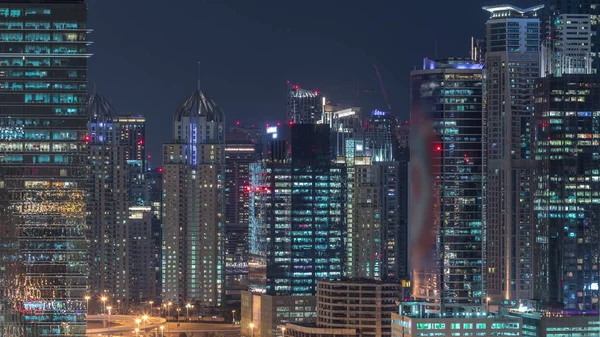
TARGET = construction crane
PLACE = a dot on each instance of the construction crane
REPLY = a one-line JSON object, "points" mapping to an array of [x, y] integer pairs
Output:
{"points": [[383, 91]]}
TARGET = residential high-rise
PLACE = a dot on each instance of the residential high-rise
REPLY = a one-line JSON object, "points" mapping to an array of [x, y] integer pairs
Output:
{"points": [[297, 229], [193, 265], [108, 203], [304, 106], [450, 93], [567, 199], [142, 261], [43, 159], [512, 63], [132, 131], [240, 152], [154, 180], [570, 18]]}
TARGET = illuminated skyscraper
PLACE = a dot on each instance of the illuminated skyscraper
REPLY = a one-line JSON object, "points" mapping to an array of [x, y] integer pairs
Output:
{"points": [[304, 106], [240, 152], [450, 93], [575, 39], [512, 63], [108, 203], [297, 229], [567, 200], [193, 266], [43, 159]]}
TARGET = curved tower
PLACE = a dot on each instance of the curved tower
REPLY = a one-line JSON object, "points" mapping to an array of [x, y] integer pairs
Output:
{"points": [[194, 204]]}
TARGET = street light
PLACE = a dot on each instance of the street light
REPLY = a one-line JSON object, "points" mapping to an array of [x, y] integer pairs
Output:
{"points": [[138, 321], [104, 299], [487, 303], [282, 331], [169, 308], [178, 311], [187, 312], [151, 306], [162, 331], [252, 328], [233, 315], [137, 332], [109, 312], [145, 318], [87, 304]]}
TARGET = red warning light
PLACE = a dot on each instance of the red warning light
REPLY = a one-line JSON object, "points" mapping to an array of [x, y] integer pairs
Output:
{"points": [[237, 123], [87, 138], [291, 122], [160, 169], [141, 142], [278, 124], [296, 87], [438, 148]]}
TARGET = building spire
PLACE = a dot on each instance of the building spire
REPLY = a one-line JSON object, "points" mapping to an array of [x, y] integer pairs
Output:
{"points": [[198, 75]]}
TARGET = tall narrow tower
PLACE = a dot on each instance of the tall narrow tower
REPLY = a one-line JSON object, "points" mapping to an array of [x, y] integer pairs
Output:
{"points": [[43, 159], [194, 204], [512, 64]]}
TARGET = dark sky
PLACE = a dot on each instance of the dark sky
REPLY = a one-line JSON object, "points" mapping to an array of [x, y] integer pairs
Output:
{"points": [[146, 51]]}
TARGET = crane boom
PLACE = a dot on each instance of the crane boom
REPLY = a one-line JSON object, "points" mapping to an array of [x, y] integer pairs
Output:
{"points": [[383, 91]]}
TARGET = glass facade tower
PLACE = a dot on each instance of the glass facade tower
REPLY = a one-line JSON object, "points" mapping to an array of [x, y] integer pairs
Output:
{"points": [[43, 71], [450, 93], [567, 200]]}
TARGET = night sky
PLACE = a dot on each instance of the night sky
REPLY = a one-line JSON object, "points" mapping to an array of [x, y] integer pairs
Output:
{"points": [[146, 52]]}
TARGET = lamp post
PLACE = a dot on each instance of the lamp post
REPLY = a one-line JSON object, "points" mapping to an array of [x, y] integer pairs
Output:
{"points": [[87, 304], [487, 304], [138, 321], [178, 311], [109, 313], [187, 312], [104, 299], [282, 331], [137, 332], [162, 331], [252, 328], [145, 318], [233, 316], [169, 309]]}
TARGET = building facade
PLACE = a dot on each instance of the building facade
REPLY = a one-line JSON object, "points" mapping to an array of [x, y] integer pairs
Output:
{"points": [[193, 265], [450, 93], [567, 198], [240, 152], [512, 64], [43, 159], [304, 106], [297, 224]]}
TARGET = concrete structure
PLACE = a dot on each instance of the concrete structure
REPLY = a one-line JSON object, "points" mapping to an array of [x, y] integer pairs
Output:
{"points": [[194, 205], [569, 48], [512, 64], [294, 330], [362, 305]]}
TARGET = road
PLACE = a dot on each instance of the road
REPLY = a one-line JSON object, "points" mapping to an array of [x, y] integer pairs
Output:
{"points": [[125, 325]]}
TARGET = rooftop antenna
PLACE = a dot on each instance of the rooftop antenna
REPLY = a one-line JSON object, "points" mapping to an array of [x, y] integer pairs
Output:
{"points": [[198, 75]]}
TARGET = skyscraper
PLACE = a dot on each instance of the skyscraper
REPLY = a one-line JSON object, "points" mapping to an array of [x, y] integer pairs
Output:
{"points": [[194, 204], [297, 228], [567, 200], [304, 106], [43, 159], [567, 18], [240, 152], [512, 64], [108, 203], [450, 93]]}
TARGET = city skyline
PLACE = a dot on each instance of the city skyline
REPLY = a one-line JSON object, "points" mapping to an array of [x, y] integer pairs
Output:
{"points": [[254, 70]]}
